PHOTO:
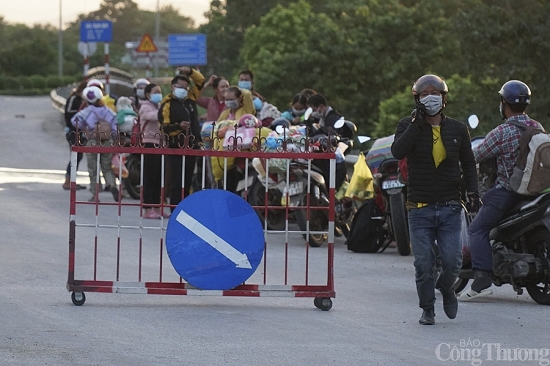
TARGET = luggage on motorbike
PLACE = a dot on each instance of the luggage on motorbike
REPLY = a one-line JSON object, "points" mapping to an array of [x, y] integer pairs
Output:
{"points": [[366, 232], [361, 186], [531, 174], [380, 151]]}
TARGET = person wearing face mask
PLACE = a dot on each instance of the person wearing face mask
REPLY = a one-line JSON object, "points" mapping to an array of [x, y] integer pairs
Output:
{"points": [[139, 92], [150, 128], [179, 120], [298, 108], [246, 82], [216, 104], [322, 112], [502, 144], [436, 148]]}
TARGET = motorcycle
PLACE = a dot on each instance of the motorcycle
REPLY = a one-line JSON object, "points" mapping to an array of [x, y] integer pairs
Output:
{"points": [[393, 193], [302, 185], [521, 250]]}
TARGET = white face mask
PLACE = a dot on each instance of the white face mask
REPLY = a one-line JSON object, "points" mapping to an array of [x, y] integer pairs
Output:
{"points": [[433, 104], [140, 93]]}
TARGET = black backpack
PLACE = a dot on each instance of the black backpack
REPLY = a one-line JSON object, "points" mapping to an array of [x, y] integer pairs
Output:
{"points": [[366, 234]]}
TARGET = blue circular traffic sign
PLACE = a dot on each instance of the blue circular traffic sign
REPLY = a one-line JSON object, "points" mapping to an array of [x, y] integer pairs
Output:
{"points": [[214, 240]]}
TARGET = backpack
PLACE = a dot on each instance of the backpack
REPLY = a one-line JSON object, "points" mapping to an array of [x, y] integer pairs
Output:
{"points": [[366, 233], [531, 173]]}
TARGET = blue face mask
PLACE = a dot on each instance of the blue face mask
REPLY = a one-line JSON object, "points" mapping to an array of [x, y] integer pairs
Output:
{"points": [[156, 98], [245, 85], [180, 93]]}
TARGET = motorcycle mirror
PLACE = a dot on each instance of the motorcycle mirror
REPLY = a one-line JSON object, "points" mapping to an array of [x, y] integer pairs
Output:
{"points": [[307, 113], [280, 129], [363, 139], [339, 123], [473, 121]]}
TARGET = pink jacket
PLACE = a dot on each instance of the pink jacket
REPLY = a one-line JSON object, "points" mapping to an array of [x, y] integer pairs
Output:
{"points": [[212, 106], [150, 126]]}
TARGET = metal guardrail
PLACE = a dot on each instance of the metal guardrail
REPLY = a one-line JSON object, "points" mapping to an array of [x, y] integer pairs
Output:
{"points": [[120, 81]]}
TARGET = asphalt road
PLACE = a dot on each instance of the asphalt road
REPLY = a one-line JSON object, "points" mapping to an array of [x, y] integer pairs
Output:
{"points": [[374, 320]]}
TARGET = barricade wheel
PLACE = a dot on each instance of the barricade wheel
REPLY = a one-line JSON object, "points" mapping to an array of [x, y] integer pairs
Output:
{"points": [[78, 298], [323, 303]]}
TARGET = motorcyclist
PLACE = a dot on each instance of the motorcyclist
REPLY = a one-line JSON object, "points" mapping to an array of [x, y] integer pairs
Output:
{"points": [[501, 143]]}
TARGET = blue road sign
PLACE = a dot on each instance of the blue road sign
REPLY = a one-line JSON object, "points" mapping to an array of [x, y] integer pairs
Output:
{"points": [[214, 240], [96, 31], [187, 49]]}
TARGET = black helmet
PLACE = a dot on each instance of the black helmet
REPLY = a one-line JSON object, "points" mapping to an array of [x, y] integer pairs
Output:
{"points": [[424, 81], [515, 92]]}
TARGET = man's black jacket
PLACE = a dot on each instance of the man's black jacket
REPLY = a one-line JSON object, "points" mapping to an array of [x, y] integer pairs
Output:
{"points": [[426, 183]]}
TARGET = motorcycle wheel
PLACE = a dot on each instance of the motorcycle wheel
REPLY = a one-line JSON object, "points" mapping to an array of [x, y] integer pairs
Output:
{"points": [[399, 224], [539, 242], [132, 182], [256, 197], [318, 221]]}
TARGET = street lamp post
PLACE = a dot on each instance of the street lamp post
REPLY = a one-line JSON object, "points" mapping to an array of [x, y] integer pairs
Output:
{"points": [[60, 46]]}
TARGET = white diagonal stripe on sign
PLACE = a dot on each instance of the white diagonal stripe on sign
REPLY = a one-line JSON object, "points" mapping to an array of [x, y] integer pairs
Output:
{"points": [[240, 259]]}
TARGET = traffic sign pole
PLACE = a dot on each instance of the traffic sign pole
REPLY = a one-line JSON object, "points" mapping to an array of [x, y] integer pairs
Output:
{"points": [[86, 61], [107, 72]]}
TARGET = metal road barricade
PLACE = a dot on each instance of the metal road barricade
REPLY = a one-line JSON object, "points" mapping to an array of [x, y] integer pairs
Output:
{"points": [[113, 249]]}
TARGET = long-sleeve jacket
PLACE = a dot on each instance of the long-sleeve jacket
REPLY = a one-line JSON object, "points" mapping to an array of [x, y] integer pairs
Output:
{"points": [[149, 121], [173, 110], [73, 105], [426, 183], [87, 118]]}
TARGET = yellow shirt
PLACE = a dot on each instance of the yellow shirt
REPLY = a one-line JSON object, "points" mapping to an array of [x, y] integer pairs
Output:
{"points": [[438, 150]]}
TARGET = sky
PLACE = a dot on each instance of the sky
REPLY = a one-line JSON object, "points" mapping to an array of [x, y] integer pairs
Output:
{"points": [[47, 11]]}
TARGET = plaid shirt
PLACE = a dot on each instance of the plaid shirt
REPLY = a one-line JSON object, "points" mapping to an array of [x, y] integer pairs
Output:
{"points": [[503, 143]]}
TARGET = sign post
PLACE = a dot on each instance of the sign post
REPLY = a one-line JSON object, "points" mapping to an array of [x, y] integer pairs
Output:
{"points": [[187, 49], [97, 31], [147, 45]]}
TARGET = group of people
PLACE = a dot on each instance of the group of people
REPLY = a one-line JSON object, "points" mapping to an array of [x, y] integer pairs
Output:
{"points": [[176, 117], [440, 161]]}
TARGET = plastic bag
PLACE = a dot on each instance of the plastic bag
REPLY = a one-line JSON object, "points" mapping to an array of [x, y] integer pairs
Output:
{"points": [[361, 186], [118, 163], [464, 237]]}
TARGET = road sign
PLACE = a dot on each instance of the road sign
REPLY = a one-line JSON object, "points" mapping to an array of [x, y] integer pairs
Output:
{"points": [[187, 49], [146, 44], [87, 48], [96, 31], [214, 240]]}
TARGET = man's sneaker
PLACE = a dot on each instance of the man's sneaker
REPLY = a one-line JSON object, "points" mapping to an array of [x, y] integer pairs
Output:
{"points": [[114, 192], [472, 294]]}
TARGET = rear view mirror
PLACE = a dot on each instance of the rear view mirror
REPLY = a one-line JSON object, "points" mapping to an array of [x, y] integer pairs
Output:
{"points": [[473, 121], [363, 139], [339, 123], [307, 113]]}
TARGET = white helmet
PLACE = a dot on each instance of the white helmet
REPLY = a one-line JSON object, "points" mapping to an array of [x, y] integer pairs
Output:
{"points": [[92, 94], [140, 82], [95, 82]]}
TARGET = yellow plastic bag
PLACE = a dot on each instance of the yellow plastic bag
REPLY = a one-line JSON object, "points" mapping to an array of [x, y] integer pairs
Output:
{"points": [[361, 186]]}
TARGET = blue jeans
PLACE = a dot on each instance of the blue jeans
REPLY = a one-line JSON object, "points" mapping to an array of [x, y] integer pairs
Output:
{"points": [[496, 202], [441, 223]]}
